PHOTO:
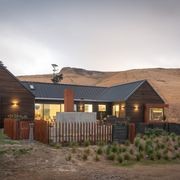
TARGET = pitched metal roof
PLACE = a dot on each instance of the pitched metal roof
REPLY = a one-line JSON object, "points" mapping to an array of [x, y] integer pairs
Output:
{"points": [[51, 91], [120, 92], [56, 91]]}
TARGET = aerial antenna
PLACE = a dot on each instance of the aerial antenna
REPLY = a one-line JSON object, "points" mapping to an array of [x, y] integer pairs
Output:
{"points": [[57, 77]]}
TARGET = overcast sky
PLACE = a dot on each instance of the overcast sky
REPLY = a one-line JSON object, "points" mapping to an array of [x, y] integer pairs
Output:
{"points": [[106, 35]]}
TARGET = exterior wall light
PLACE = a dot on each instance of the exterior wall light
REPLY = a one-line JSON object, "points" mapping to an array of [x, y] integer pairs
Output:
{"points": [[15, 103], [122, 107], [136, 107]]}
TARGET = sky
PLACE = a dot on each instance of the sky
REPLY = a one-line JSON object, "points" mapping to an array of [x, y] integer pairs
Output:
{"points": [[104, 35]]}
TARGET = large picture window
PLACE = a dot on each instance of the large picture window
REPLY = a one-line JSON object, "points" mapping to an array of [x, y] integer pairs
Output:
{"points": [[47, 111], [156, 114]]}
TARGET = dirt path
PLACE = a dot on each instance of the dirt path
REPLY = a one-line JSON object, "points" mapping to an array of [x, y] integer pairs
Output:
{"points": [[46, 163]]}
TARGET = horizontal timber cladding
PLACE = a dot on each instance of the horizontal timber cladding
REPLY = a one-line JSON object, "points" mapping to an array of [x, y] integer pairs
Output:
{"points": [[135, 105], [14, 97]]}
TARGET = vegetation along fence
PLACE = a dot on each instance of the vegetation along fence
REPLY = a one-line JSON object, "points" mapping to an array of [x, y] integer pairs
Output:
{"points": [[66, 132], [169, 127]]}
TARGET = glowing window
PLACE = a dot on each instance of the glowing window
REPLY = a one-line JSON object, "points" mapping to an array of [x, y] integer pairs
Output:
{"points": [[102, 107], [156, 114], [88, 108]]}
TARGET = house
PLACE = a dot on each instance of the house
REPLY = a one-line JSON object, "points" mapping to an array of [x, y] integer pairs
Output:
{"points": [[135, 101], [14, 97]]}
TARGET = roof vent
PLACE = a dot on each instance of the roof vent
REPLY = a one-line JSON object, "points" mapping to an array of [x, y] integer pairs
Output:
{"points": [[31, 86]]}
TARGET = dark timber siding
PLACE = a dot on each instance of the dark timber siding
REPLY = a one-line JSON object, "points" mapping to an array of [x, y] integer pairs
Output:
{"points": [[11, 89], [143, 95]]}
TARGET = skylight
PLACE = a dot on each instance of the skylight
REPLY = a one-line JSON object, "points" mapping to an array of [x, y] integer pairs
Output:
{"points": [[31, 86]]}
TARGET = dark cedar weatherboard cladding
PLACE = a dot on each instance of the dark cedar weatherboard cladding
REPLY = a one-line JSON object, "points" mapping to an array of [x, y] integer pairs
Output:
{"points": [[143, 95], [12, 89]]}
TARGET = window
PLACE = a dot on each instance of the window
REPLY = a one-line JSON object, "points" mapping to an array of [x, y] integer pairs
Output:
{"points": [[156, 114], [38, 111], [47, 111], [116, 110], [88, 108], [75, 108], [50, 111], [102, 107]]}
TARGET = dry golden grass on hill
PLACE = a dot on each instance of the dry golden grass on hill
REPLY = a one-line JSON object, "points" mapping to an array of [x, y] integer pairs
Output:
{"points": [[165, 81]]}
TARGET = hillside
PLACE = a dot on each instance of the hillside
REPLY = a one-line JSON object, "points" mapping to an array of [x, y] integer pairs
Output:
{"points": [[165, 81]]}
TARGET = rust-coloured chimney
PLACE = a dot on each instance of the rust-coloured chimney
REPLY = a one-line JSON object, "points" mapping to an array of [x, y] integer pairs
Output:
{"points": [[68, 100]]}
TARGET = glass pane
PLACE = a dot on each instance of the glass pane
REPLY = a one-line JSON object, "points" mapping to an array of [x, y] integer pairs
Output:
{"points": [[102, 107], [38, 111], [62, 108], [156, 114], [50, 111], [116, 110], [88, 108]]}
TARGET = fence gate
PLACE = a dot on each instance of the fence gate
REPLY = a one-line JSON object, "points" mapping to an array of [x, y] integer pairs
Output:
{"points": [[119, 133]]}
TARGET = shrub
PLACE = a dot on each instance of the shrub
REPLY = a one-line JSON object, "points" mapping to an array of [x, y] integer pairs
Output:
{"points": [[87, 151], [137, 142], [162, 146], [97, 158], [127, 143], [166, 157], [85, 157], [111, 156], [120, 159], [138, 157], [151, 157], [124, 149], [165, 151], [141, 147], [99, 150], [86, 143], [158, 155], [100, 143], [108, 150], [131, 151], [127, 156], [73, 150], [73, 144], [114, 148], [176, 147], [68, 157]]}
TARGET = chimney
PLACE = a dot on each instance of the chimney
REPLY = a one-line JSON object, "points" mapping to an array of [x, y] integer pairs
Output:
{"points": [[68, 100]]}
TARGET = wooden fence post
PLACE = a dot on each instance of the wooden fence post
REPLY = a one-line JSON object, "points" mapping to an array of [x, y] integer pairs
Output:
{"points": [[132, 132]]}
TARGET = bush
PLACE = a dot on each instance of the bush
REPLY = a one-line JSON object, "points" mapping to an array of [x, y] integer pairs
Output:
{"points": [[131, 151], [151, 157], [114, 149], [99, 150], [158, 155], [141, 147], [87, 151], [108, 150], [166, 157], [68, 157], [137, 141], [73, 144], [120, 159], [97, 158], [124, 149], [127, 143], [85, 157], [138, 157], [111, 156], [127, 156], [86, 143]]}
